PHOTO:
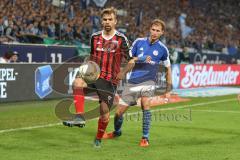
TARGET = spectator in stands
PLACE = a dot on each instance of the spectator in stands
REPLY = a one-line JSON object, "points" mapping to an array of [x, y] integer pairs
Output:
{"points": [[1, 26], [78, 34], [14, 57], [9, 30], [214, 21], [184, 55], [173, 54], [68, 34], [95, 20], [31, 30], [36, 28], [42, 29], [51, 29], [7, 57], [232, 48]]}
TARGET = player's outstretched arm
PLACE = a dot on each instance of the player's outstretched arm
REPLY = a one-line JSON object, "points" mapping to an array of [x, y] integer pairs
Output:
{"points": [[127, 68]]}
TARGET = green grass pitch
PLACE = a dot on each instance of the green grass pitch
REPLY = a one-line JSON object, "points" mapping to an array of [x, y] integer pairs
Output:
{"points": [[202, 129]]}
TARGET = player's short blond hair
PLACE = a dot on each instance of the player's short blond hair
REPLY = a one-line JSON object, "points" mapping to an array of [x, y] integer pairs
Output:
{"points": [[158, 22], [110, 10]]}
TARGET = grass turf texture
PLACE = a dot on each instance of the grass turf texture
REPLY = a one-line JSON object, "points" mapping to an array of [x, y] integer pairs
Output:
{"points": [[208, 132]]}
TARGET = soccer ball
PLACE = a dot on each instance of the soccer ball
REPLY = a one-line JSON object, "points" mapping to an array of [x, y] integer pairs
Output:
{"points": [[89, 71]]}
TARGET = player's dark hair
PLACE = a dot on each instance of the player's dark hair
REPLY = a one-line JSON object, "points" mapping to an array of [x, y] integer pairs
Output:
{"points": [[110, 10], [158, 22], [8, 54]]}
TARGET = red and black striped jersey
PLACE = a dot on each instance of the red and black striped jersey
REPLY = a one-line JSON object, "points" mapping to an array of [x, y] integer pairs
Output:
{"points": [[109, 54]]}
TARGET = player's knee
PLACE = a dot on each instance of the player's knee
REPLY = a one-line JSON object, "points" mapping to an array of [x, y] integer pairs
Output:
{"points": [[145, 103], [104, 108], [119, 112], [79, 83], [105, 117], [121, 109]]}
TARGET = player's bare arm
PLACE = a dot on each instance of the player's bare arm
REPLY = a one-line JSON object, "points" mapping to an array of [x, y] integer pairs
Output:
{"points": [[130, 66], [127, 68], [169, 81]]}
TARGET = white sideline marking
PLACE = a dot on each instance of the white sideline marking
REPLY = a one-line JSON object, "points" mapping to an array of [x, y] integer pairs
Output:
{"points": [[133, 113], [29, 128], [215, 111]]}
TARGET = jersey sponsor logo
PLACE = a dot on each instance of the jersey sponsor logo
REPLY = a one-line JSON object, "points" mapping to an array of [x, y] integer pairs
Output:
{"points": [[99, 49], [140, 55], [106, 50], [155, 52], [109, 99], [110, 46]]}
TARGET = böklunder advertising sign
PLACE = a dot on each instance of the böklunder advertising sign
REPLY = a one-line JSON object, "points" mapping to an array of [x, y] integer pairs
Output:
{"points": [[194, 76]]}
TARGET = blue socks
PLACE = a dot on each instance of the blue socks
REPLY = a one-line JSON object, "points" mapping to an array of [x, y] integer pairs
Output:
{"points": [[118, 121], [118, 124], [146, 123]]}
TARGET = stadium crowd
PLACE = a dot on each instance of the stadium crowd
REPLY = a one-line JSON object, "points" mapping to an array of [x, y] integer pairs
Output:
{"points": [[214, 23]]}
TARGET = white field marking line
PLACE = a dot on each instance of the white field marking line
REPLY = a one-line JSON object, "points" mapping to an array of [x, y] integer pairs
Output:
{"points": [[188, 106], [133, 113], [213, 111], [29, 128]]}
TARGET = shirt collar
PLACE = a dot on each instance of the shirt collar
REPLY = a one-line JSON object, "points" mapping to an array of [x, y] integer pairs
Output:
{"points": [[148, 39]]}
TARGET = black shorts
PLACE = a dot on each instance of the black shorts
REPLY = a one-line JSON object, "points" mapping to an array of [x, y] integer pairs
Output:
{"points": [[104, 89]]}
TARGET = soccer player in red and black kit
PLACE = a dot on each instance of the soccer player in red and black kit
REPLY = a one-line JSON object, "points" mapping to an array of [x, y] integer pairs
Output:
{"points": [[109, 49]]}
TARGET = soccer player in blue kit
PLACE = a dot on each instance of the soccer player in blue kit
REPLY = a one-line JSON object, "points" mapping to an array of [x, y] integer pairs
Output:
{"points": [[147, 54]]}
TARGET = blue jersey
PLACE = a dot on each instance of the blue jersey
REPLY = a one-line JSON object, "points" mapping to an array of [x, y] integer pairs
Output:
{"points": [[144, 71]]}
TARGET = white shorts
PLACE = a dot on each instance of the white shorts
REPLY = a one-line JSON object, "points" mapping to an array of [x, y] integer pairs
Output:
{"points": [[132, 92]]}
